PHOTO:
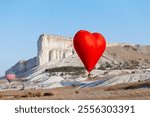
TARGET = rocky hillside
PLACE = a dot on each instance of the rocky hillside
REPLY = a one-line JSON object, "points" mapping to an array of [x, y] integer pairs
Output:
{"points": [[119, 64]]}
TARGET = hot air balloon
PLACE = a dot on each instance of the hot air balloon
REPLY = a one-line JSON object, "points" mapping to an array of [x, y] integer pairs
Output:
{"points": [[89, 47], [10, 76]]}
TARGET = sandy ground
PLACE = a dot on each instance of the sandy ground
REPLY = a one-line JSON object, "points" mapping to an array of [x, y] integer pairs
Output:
{"points": [[130, 91]]}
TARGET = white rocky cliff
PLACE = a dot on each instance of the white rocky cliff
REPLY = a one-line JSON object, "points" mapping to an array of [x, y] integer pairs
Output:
{"points": [[49, 48], [52, 47]]}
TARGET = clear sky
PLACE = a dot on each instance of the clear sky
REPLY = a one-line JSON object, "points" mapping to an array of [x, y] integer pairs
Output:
{"points": [[22, 21]]}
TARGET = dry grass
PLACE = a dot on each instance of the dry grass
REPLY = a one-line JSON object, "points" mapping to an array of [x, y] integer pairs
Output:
{"points": [[129, 54], [1, 96], [139, 90], [17, 96], [137, 85]]}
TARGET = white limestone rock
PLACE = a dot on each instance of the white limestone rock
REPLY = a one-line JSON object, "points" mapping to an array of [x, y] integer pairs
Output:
{"points": [[52, 47], [23, 66]]}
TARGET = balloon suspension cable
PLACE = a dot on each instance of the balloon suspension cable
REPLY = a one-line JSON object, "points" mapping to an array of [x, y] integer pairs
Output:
{"points": [[89, 75]]}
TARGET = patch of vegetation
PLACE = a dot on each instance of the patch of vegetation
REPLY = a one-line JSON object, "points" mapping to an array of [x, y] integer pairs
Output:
{"points": [[130, 86], [38, 94], [25, 95], [129, 64], [66, 70], [132, 72], [48, 94], [105, 66], [102, 67], [32, 94], [76, 92], [131, 47], [17, 96]]}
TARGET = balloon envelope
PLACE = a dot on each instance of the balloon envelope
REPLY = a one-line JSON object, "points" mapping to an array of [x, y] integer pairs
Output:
{"points": [[10, 76], [89, 47]]}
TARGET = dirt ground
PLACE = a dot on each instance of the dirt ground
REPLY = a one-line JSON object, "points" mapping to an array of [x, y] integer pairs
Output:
{"points": [[130, 91]]}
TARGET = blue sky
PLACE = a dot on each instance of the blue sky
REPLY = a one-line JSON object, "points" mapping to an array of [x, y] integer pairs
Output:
{"points": [[22, 21]]}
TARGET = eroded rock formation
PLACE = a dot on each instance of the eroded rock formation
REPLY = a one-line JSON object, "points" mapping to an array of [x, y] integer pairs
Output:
{"points": [[23, 66], [51, 47]]}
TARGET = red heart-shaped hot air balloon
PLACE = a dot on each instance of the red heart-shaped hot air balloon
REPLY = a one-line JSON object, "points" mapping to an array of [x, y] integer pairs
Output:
{"points": [[89, 47]]}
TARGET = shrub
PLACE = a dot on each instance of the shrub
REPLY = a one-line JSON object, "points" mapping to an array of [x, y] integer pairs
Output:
{"points": [[130, 64], [48, 94], [38, 94], [62, 74], [25, 95], [101, 67], [30, 94], [76, 92], [108, 65], [17, 96], [131, 47], [132, 72]]}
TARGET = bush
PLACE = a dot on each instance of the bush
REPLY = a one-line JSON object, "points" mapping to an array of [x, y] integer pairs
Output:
{"points": [[48, 94], [105, 66], [25, 95], [38, 94], [17, 96], [30, 94], [76, 92], [62, 74], [130, 64], [102, 67], [132, 72], [131, 47]]}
